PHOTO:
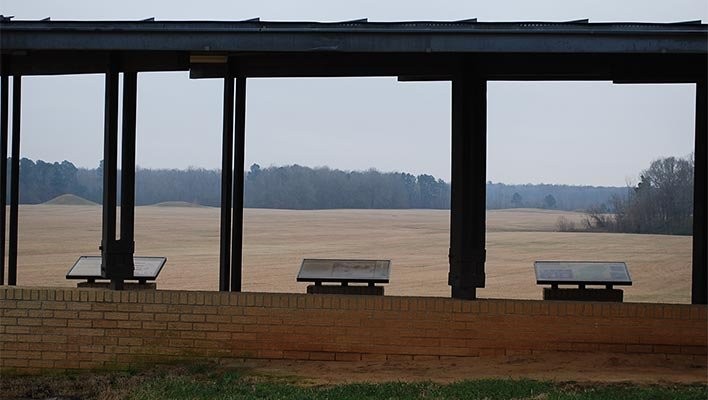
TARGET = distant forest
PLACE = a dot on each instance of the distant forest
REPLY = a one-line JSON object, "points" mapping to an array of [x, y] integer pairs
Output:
{"points": [[298, 187]]}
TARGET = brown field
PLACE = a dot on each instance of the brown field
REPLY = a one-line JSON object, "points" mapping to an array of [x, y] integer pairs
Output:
{"points": [[53, 236]]}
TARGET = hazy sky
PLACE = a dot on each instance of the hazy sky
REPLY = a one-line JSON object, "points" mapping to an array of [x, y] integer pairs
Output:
{"points": [[592, 133]]}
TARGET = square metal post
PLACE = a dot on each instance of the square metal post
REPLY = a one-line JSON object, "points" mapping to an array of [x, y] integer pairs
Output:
{"points": [[699, 286], [14, 180], [239, 153], [126, 244], [226, 183], [468, 197], [110, 159], [4, 119], [117, 263]]}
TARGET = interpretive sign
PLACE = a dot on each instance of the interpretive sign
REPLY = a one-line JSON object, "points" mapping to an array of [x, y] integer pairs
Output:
{"points": [[89, 267], [582, 273], [326, 270]]}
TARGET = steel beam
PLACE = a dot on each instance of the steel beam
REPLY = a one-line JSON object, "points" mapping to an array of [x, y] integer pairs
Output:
{"points": [[699, 287], [239, 153], [14, 180], [226, 184], [127, 192], [4, 119], [468, 198], [110, 159], [627, 68]]}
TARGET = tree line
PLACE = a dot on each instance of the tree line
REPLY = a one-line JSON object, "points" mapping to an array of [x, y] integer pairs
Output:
{"points": [[298, 187], [662, 202], [548, 196]]}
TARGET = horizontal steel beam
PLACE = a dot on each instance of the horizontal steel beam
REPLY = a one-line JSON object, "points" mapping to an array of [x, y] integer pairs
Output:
{"points": [[92, 62], [621, 68]]}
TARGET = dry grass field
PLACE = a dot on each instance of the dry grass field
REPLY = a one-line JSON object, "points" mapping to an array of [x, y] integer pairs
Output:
{"points": [[53, 236]]}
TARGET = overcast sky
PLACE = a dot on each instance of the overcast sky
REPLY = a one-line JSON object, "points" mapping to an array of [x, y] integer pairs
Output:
{"points": [[591, 133]]}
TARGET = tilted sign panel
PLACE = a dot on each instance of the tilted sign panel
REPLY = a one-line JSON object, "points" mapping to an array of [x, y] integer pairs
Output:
{"points": [[89, 267], [578, 272], [344, 270]]}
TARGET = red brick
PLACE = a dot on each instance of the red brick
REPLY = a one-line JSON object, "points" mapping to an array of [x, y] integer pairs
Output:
{"points": [[154, 325], [347, 357], [611, 348], [205, 327], [54, 322], [192, 335], [130, 341], [218, 335], [639, 348], [399, 357], [104, 307], [166, 317], [54, 339], [142, 316], [26, 321], [491, 352], [322, 356], [94, 348], [699, 312], [116, 315], [43, 364], [111, 341], [154, 308], [17, 313], [181, 342], [104, 324], [129, 324], [54, 355], [426, 358], [296, 355], [667, 349], [270, 354], [30, 355], [192, 318], [218, 318], [179, 325], [697, 350], [17, 329]]}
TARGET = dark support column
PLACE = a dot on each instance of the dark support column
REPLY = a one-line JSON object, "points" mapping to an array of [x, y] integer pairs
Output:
{"points": [[127, 192], [699, 288], [4, 119], [239, 153], [110, 159], [226, 184], [468, 198], [14, 180]]}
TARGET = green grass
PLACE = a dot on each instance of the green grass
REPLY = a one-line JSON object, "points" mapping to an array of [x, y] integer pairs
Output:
{"points": [[233, 386]]}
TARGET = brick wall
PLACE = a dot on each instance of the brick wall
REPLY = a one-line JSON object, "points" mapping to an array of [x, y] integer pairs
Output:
{"points": [[92, 328]]}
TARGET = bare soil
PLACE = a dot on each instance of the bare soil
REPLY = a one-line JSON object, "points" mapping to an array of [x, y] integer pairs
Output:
{"points": [[556, 367]]}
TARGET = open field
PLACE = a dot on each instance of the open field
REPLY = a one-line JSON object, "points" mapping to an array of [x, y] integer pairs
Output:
{"points": [[53, 236]]}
